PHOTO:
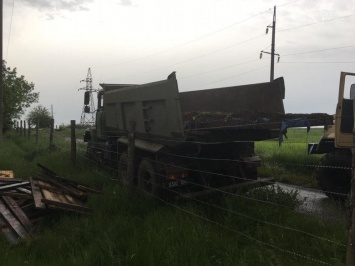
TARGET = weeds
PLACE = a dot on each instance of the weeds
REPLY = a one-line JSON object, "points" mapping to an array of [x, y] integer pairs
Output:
{"points": [[244, 230]]}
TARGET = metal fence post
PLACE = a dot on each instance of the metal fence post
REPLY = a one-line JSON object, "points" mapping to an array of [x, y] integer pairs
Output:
{"points": [[37, 126], [130, 156], [29, 128], [51, 133], [73, 142], [350, 254], [24, 128], [20, 127]]}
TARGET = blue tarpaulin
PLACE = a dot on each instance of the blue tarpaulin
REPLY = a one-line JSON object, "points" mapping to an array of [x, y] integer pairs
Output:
{"points": [[287, 123]]}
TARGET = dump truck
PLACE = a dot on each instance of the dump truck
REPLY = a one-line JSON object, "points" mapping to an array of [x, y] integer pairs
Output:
{"points": [[335, 167], [187, 143]]}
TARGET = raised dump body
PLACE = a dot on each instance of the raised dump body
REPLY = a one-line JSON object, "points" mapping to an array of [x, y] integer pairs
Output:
{"points": [[162, 112], [187, 142]]}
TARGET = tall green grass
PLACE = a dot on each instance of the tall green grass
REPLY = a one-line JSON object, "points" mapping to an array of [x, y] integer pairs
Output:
{"points": [[133, 230], [290, 162]]}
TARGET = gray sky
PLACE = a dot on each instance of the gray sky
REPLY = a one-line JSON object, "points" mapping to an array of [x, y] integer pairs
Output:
{"points": [[209, 43]]}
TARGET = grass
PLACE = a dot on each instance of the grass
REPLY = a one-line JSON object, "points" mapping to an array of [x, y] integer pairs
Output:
{"points": [[290, 162], [131, 230]]}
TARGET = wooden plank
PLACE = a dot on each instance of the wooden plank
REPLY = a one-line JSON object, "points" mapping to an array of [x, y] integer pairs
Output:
{"points": [[11, 220], [51, 174], [18, 213], [6, 174], [65, 202], [52, 189], [47, 194], [9, 234], [15, 195], [68, 207], [37, 195], [24, 190], [88, 189], [12, 186], [9, 180], [70, 190]]}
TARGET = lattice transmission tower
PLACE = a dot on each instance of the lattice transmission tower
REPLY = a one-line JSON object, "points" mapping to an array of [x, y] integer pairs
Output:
{"points": [[88, 113]]}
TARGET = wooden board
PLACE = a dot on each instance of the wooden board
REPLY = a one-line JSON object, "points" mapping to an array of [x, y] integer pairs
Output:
{"points": [[37, 195], [14, 185], [60, 200], [9, 234], [67, 188], [15, 195], [12, 222], [6, 174], [18, 213]]}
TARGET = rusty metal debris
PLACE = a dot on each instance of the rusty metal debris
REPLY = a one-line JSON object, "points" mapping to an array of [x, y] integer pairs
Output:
{"points": [[24, 203]]}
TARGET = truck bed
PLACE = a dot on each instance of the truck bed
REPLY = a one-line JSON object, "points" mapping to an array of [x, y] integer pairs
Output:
{"points": [[248, 112]]}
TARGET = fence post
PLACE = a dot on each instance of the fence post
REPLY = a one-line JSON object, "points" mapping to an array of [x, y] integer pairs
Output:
{"points": [[37, 126], [17, 126], [24, 128], [73, 142], [29, 128], [130, 156], [51, 133], [20, 127], [350, 253]]}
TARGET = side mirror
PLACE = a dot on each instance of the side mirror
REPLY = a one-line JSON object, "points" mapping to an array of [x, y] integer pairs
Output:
{"points": [[352, 92]]}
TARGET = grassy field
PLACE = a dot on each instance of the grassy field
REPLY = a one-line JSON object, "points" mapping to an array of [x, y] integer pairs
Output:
{"points": [[290, 162], [257, 228]]}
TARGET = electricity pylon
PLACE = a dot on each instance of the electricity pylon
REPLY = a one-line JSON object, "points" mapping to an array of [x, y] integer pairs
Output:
{"points": [[88, 113]]}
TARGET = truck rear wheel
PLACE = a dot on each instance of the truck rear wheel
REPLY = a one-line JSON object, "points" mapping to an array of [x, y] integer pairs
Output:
{"points": [[147, 178], [334, 174]]}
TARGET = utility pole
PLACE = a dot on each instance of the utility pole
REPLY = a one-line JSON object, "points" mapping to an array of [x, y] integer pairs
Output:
{"points": [[1, 80], [272, 53], [273, 45]]}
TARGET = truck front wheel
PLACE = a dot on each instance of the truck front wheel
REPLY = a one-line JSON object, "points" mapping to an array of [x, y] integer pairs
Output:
{"points": [[334, 174], [147, 178]]}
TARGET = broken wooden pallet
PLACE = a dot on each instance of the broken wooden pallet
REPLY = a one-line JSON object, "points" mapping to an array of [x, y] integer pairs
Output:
{"points": [[15, 225], [22, 203]]}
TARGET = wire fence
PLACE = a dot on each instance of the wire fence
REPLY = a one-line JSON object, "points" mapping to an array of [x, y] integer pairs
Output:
{"points": [[308, 201], [103, 156]]}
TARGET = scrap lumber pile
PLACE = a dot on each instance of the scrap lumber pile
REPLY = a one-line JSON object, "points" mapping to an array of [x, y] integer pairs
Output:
{"points": [[24, 203]]}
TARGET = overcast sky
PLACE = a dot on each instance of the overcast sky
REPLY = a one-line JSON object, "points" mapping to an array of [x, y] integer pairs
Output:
{"points": [[209, 43]]}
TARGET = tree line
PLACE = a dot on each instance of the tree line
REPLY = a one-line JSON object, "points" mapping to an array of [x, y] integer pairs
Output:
{"points": [[18, 95]]}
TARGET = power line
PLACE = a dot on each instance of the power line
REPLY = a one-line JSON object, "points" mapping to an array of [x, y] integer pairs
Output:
{"points": [[322, 50], [310, 24], [8, 40], [194, 58], [288, 3], [228, 77], [191, 41], [317, 62], [218, 69]]}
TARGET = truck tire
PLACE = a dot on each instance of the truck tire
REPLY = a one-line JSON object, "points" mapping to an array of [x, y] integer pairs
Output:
{"points": [[147, 178], [335, 182]]}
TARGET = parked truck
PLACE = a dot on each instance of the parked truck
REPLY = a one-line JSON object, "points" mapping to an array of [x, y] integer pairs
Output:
{"points": [[187, 142], [335, 168]]}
